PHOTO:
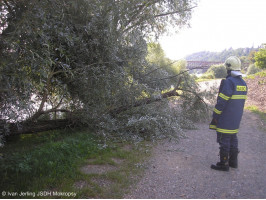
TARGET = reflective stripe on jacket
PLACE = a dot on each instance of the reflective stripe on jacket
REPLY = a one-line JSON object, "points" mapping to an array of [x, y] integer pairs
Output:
{"points": [[230, 104]]}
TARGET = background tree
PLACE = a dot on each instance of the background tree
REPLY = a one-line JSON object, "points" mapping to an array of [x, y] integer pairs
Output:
{"points": [[156, 55], [219, 71], [180, 66], [260, 58], [245, 62], [220, 56], [251, 57]]}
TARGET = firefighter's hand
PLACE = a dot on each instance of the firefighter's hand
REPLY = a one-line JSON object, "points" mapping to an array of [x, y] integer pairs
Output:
{"points": [[215, 121]]}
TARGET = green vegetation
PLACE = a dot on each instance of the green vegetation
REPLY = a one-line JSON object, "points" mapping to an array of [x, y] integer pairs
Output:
{"points": [[260, 58], [261, 114], [161, 64], [93, 64], [253, 69], [259, 74], [252, 61], [246, 55], [51, 161], [214, 72], [219, 71], [222, 56], [206, 77]]}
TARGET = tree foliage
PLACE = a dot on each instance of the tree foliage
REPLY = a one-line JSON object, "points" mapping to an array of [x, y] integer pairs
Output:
{"points": [[88, 58], [220, 56], [219, 71], [251, 56], [156, 55], [180, 66], [253, 69], [260, 58]]}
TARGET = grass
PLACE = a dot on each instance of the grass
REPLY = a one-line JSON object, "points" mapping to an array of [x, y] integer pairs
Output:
{"points": [[261, 114], [203, 79], [260, 74], [51, 161]]}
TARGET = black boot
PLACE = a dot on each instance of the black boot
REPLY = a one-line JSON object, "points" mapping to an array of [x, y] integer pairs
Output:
{"points": [[223, 164], [233, 158]]}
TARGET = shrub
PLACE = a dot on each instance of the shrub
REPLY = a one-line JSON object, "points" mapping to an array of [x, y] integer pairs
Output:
{"points": [[260, 58], [253, 69], [219, 71], [208, 75]]}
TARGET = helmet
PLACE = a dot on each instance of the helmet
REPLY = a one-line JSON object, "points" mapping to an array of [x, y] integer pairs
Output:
{"points": [[233, 63]]}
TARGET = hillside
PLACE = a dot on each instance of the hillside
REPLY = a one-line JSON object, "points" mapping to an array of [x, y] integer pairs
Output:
{"points": [[219, 56]]}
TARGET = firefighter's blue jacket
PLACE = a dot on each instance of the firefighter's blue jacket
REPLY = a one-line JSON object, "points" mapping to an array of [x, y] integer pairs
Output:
{"points": [[230, 104]]}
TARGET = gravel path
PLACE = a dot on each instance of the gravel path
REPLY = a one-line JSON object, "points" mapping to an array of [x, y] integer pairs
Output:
{"points": [[183, 170]]}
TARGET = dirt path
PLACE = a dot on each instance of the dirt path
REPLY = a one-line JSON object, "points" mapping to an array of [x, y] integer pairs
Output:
{"points": [[183, 170]]}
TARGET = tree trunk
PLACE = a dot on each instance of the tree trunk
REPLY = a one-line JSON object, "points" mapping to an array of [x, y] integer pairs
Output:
{"points": [[35, 127]]}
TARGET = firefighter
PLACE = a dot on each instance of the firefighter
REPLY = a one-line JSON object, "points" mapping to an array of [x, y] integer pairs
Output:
{"points": [[227, 114]]}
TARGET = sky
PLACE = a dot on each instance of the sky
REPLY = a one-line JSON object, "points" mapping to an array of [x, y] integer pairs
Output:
{"points": [[217, 25]]}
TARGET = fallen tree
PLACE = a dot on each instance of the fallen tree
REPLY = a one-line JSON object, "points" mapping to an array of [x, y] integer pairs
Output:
{"points": [[32, 125], [88, 59], [147, 100], [38, 126]]}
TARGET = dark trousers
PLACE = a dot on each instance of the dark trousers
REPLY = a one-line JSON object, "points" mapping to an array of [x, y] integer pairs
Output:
{"points": [[227, 142]]}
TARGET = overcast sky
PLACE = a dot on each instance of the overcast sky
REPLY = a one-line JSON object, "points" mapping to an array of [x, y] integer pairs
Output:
{"points": [[217, 25]]}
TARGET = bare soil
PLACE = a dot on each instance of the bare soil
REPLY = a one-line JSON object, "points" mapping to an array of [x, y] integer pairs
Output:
{"points": [[97, 169], [257, 92], [183, 170]]}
